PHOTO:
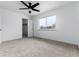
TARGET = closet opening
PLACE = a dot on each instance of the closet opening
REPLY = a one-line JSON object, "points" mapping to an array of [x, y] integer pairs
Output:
{"points": [[24, 28]]}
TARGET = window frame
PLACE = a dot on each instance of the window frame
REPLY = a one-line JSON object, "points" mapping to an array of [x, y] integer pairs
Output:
{"points": [[46, 23]]}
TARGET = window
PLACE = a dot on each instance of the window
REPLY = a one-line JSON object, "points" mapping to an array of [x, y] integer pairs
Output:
{"points": [[43, 22], [48, 22]]}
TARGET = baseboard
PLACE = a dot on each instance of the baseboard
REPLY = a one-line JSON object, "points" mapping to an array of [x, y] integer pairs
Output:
{"points": [[11, 40], [57, 41]]}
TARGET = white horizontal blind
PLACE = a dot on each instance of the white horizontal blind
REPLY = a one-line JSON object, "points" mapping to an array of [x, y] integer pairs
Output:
{"points": [[42, 22]]}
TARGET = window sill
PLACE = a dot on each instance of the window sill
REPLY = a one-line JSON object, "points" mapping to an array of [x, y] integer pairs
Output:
{"points": [[47, 29]]}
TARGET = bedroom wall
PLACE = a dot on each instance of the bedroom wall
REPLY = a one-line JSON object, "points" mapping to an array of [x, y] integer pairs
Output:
{"points": [[66, 24], [11, 24]]}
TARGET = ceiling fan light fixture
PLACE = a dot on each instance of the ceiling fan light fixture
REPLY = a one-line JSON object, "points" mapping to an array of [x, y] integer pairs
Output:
{"points": [[29, 11], [30, 7]]}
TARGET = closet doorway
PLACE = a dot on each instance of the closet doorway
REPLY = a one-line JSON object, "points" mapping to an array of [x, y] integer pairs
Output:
{"points": [[24, 28]]}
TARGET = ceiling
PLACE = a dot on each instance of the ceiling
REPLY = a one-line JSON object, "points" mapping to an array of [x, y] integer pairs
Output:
{"points": [[43, 7]]}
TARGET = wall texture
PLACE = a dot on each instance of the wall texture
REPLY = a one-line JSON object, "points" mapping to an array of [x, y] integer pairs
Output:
{"points": [[66, 24]]}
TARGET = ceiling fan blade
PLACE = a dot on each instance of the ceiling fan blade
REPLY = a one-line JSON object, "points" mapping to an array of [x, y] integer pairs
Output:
{"points": [[23, 8], [35, 5], [36, 10], [24, 3]]}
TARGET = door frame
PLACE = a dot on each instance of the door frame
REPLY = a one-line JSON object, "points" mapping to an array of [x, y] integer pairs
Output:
{"points": [[0, 30]]}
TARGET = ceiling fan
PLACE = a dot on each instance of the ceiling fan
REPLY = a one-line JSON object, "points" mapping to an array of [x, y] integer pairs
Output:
{"points": [[30, 6]]}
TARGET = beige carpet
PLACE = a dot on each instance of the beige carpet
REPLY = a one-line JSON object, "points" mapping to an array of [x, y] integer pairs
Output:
{"points": [[30, 47]]}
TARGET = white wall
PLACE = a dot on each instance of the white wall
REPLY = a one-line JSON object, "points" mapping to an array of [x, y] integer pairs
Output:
{"points": [[66, 25], [0, 30], [11, 24]]}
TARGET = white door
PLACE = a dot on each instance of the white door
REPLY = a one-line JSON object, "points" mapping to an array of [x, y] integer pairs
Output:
{"points": [[29, 28], [0, 31]]}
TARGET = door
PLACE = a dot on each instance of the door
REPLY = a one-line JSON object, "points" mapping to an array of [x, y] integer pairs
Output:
{"points": [[29, 28], [0, 31]]}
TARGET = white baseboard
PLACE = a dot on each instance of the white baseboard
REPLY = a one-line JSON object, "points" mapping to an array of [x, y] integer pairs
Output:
{"points": [[57, 41]]}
